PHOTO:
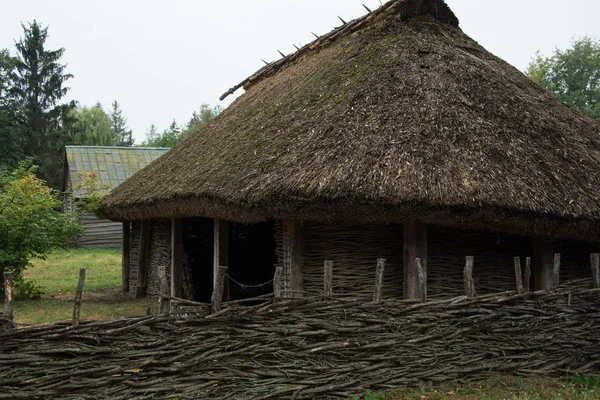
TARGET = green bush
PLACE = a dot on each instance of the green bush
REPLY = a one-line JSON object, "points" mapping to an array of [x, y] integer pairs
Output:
{"points": [[31, 224]]}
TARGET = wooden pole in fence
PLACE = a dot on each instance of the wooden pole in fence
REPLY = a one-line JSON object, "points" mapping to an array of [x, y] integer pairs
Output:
{"points": [[596, 270], [328, 280], [78, 297], [278, 282], [377, 296], [468, 277], [217, 296], [8, 298], [556, 270], [527, 283], [163, 302], [518, 275], [422, 281]]}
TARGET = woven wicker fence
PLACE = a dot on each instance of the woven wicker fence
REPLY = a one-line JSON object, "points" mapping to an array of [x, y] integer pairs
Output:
{"points": [[306, 348]]}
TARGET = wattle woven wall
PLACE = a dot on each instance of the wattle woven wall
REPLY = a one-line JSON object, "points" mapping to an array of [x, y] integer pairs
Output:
{"points": [[354, 249]]}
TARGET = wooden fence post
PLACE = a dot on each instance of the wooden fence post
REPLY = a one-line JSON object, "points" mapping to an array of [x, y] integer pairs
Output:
{"points": [[217, 296], [278, 282], [8, 298], [527, 283], [78, 297], [377, 296], [328, 280], [518, 275], [421, 278], [596, 270], [163, 302], [556, 270], [468, 277]]}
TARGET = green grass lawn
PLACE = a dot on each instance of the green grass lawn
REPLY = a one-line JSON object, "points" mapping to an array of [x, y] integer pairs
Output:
{"points": [[58, 274], [505, 387]]}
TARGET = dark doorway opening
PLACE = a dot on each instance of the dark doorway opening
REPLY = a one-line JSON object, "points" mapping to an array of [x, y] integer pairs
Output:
{"points": [[252, 260], [198, 241]]}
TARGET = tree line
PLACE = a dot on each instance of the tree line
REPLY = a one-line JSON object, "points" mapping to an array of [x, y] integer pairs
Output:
{"points": [[36, 122], [572, 75]]}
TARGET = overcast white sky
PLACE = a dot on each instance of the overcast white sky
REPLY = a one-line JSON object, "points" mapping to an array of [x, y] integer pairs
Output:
{"points": [[162, 59]]}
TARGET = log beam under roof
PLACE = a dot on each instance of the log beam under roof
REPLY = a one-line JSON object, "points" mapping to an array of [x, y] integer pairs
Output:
{"points": [[415, 247]]}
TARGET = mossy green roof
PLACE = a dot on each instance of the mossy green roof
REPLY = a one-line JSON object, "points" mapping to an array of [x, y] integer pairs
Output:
{"points": [[113, 165]]}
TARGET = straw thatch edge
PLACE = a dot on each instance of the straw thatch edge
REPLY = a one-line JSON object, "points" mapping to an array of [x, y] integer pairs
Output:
{"points": [[485, 218]]}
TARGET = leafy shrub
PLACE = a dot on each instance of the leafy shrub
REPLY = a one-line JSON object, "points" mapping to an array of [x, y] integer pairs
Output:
{"points": [[90, 192], [31, 224]]}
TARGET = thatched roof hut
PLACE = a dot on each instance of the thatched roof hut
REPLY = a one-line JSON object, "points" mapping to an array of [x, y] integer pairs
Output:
{"points": [[394, 117]]}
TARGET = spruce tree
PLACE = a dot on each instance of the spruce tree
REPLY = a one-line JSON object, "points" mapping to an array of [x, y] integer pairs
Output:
{"points": [[119, 125], [38, 84]]}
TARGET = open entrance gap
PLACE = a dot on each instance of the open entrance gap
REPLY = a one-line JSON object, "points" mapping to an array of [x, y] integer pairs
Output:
{"points": [[251, 258]]}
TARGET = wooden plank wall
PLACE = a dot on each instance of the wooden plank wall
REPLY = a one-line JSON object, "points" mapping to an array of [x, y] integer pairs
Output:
{"points": [[100, 233]]}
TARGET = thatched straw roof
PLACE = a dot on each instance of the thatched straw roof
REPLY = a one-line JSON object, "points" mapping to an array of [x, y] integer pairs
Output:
{"points": [[397, 116]]}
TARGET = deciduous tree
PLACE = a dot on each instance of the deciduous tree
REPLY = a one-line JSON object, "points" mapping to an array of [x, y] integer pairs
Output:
{"points": [[167, 138], [92, 127], [572, 75], [31, 222], [205, 114]]}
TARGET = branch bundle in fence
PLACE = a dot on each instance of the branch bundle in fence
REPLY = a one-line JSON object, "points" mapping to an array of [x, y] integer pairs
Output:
{"points": [[307, 348]]}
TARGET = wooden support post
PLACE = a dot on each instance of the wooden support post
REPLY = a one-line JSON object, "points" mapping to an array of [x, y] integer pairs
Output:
{"points": [[293, 257], [163, 302], [219, 289], [278, 283], [415, 246], [422, 280], [328, 280], [527, 282], [519, 275], [8, 298], [143, 259], [556, 271], [125, 256], [378, 295], [78, 297], [595, 270], [221, 252], [543, 263], [468, 277], [176, 258]]}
